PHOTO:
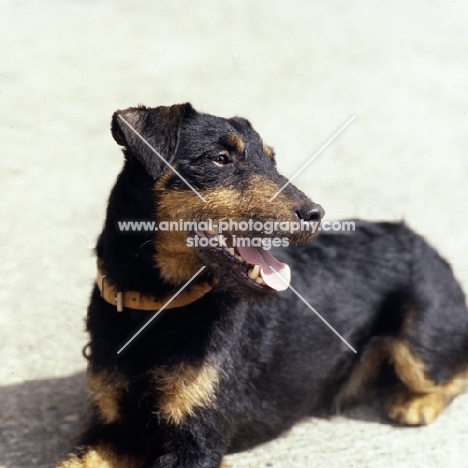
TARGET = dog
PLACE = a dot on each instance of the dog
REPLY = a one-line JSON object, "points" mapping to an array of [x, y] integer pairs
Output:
{"points": [[235, 354]]}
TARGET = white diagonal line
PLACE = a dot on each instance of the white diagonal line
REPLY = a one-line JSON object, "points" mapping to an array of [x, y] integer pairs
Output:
{"points": [[312, 158], [162, 159], [161, 309], [313, 310]]}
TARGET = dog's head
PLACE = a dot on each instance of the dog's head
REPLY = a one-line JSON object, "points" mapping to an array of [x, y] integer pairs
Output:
{"points": [[215, 177]]}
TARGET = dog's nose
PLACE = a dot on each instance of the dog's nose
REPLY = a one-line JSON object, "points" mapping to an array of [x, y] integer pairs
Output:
{"points": [[312, 212]]}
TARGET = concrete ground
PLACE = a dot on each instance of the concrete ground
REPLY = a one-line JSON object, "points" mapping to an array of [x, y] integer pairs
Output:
{"points": [[298, 70]]}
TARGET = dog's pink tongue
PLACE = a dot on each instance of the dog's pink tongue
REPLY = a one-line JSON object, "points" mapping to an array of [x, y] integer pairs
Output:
{"points": [[259, 256]]}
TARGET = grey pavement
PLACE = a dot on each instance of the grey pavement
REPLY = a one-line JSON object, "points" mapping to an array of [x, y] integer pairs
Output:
{"points": [[298, 70]]}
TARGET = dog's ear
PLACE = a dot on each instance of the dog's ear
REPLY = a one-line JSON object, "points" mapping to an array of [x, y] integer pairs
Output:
{"points": [[151, 133], [239, 123]]}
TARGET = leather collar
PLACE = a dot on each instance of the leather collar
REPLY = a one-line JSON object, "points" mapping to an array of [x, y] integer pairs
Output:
{"points": [[139, 301]]}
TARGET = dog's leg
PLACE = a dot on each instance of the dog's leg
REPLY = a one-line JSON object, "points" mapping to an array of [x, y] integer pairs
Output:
{"points": [[118, 446], [192, 428], [112, 440], [101, 456], [193, 447], [421, 400], [362, 376], [430, 350], [115, 445]]}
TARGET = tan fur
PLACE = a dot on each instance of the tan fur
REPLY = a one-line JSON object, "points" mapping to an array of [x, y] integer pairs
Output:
{"points": [[269, 151], [184, 388], [226, 203], [363, 374], [161, 183], [176, 261], [101, 457], [409, 368], [235, 142], [106, 391], [422, 400], [409, 407]]}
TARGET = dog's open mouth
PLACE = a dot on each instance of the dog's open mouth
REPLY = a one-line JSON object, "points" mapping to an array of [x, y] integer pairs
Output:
{"points": [[253, 266]]}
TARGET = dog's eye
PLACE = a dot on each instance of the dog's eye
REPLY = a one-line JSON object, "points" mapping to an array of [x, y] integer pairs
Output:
{"points": [[222, 159]]}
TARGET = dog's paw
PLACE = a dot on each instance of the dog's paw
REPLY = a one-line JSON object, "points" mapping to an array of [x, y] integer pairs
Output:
{"points": [[173, 461], [102, 456], [406, 407]]}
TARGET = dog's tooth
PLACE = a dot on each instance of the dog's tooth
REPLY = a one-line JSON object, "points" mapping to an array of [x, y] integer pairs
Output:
{"points": [[212, 231], [230, 250], [254, 272], [259, 280], [239, 258]]}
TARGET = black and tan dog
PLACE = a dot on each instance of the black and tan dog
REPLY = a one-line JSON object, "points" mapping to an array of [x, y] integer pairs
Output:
{"points": [[232, 361]]}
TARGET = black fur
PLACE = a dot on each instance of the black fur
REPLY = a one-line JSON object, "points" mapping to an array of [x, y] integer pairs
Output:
{"points": [[278, 362]]}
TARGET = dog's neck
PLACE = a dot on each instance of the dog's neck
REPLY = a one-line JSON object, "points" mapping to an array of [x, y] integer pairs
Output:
{"points": [[127, 276], [138, 301]]}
